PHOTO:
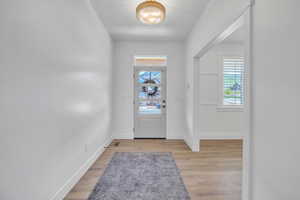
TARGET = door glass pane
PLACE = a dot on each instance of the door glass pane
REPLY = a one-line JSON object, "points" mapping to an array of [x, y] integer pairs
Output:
{"points": [[149, 107], [149, 77], [149, 92]]}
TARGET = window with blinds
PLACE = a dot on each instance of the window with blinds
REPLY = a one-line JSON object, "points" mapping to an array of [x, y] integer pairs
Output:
{"points": [[233, 81]]}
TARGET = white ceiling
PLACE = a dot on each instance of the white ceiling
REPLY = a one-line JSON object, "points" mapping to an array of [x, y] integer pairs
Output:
{"points": [[119, 18]]}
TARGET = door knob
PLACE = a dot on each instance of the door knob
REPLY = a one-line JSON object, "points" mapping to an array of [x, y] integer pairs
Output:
{"points": [[164, 104]]}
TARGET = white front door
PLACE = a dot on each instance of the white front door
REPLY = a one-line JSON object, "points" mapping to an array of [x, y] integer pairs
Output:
{"points": [[150, 102]]}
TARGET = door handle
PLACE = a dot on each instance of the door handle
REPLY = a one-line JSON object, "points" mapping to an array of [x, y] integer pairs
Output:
{"points": [[164, 104]]}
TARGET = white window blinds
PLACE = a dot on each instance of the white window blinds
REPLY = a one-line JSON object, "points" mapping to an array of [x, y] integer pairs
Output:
{"points": [[233, 81]]}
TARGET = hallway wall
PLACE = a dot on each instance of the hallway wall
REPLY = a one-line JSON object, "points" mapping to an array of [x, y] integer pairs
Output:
{"points": [[55, 62], [276, 97], [124, 52]]}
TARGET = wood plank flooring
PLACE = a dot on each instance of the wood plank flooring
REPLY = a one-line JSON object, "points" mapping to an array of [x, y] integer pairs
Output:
{"points": [[215, 173]]}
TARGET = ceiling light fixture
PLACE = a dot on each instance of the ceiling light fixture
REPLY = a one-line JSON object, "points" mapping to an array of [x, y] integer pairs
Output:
{"points": [[151, 12]]}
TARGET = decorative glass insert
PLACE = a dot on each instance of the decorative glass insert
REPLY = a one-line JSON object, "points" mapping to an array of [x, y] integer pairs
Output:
{"points": [[149, 92], [233, 81], [149, 107]]}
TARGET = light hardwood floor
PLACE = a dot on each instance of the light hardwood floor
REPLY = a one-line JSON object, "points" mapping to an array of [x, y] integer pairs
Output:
{"points": [[215, 173]]}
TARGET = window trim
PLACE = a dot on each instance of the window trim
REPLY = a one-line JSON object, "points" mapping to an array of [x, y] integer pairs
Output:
{"points": [[221, 107]]}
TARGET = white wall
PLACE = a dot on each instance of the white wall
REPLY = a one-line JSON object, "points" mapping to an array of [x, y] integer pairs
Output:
{"points": [[218, 15], [124, 52], [55, 62], [276, 97], [275, 85], [216, 122]]}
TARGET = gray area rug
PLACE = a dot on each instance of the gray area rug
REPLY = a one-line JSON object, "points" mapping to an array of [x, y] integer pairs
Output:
{"points": [[140, 176]]}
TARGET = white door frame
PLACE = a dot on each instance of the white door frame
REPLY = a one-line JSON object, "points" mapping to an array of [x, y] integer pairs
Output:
{"points": [[165, 97], [247, 141]]}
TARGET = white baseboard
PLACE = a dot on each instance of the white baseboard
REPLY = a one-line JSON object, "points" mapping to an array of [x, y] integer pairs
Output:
{"points": [[178, 136], [129, 135], [221, 136], [175, 138], [73, 180], [123, 135]]}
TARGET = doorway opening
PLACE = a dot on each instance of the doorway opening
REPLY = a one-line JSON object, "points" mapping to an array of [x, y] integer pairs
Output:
{"points": [[150, 97]]}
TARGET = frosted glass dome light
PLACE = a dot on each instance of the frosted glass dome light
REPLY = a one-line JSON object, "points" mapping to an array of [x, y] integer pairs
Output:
{"points": [[151, 12]]}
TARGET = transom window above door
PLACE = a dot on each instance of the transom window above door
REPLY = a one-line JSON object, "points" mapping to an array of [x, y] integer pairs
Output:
{"points": [[150, 61]]}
